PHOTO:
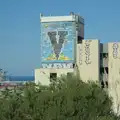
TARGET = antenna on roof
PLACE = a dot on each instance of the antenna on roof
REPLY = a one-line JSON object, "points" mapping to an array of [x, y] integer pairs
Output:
{"points": [[71, 13]]}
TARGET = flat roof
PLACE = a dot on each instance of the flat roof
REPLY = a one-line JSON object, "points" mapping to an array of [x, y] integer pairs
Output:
{"points": [[71, 18]]}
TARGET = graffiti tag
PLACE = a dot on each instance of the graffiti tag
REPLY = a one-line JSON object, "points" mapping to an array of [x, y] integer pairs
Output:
{"points": [[115, 50], [58, 65], [87, 52]]}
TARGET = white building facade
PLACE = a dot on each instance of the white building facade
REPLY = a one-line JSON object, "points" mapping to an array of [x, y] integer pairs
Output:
{"points": [[64, 50], [59, 38]]}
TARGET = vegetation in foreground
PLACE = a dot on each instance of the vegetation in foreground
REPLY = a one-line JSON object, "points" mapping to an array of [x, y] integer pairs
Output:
{"points": [[65, 99]]}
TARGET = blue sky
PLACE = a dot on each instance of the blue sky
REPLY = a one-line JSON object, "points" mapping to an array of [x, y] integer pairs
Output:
{"points": [[20, 27]]}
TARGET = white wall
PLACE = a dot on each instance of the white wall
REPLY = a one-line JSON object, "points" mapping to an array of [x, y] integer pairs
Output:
{"points": [[88, 60], [42, 75], [114, 74]]}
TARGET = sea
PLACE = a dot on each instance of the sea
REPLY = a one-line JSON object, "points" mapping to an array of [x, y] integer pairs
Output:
{"points": [[16, 80], [21, 78]]}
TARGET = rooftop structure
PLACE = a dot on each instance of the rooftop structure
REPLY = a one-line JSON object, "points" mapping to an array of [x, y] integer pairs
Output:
{"points": [[59, 38], [64, 51]]}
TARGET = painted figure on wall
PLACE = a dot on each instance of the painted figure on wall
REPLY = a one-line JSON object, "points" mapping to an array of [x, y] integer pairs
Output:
{"points": [[57, 41]]}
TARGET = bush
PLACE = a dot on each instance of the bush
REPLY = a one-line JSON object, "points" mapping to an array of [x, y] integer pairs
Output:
{"points": [[64, 99]]}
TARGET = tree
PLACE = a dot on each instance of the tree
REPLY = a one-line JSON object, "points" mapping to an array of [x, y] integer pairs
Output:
{"points": [[65, 99]]}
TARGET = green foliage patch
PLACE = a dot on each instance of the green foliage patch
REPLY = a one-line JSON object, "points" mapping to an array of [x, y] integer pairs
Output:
{"points": [[65, 99]]}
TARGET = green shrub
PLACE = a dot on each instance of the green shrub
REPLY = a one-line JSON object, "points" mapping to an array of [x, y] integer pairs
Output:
{"points": [[65, 99]]}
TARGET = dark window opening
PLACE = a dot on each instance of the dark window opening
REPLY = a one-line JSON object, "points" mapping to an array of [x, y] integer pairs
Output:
{"points": [[101, 70], [105, 55], [102, 84], [106, 69], [53, 76], [74, 65], [101, 56], [106, 84], [79, 41]]}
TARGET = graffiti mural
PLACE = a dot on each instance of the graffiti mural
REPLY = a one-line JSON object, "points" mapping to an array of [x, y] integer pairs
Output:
{"points": [[115, 50], [57, 42], [87, 52], [57, 65]]}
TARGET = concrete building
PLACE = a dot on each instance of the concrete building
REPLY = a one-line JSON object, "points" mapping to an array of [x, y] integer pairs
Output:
{"points": [[114, 75], [60, 36], [88, 60], [64, 50]]}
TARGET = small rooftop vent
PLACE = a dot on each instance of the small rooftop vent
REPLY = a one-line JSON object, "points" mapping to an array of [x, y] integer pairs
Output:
{"points": [[71, 13]]}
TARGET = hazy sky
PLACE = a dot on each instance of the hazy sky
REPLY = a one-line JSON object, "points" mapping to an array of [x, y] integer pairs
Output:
{"points": [[20, 27]]}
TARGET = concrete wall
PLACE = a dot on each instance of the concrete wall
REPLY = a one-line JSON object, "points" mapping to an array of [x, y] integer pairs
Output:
{"points": [[42, 75], [87, 63], [114, 74], [57, 18], [88, 60]]}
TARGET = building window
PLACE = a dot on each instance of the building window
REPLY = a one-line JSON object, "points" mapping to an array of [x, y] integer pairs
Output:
{"points": [[79, 40], [102, 70], [53, 76], [102, 84], [74, 65], [101, 56], [106, 69], [105, 55], [106, 84]]}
